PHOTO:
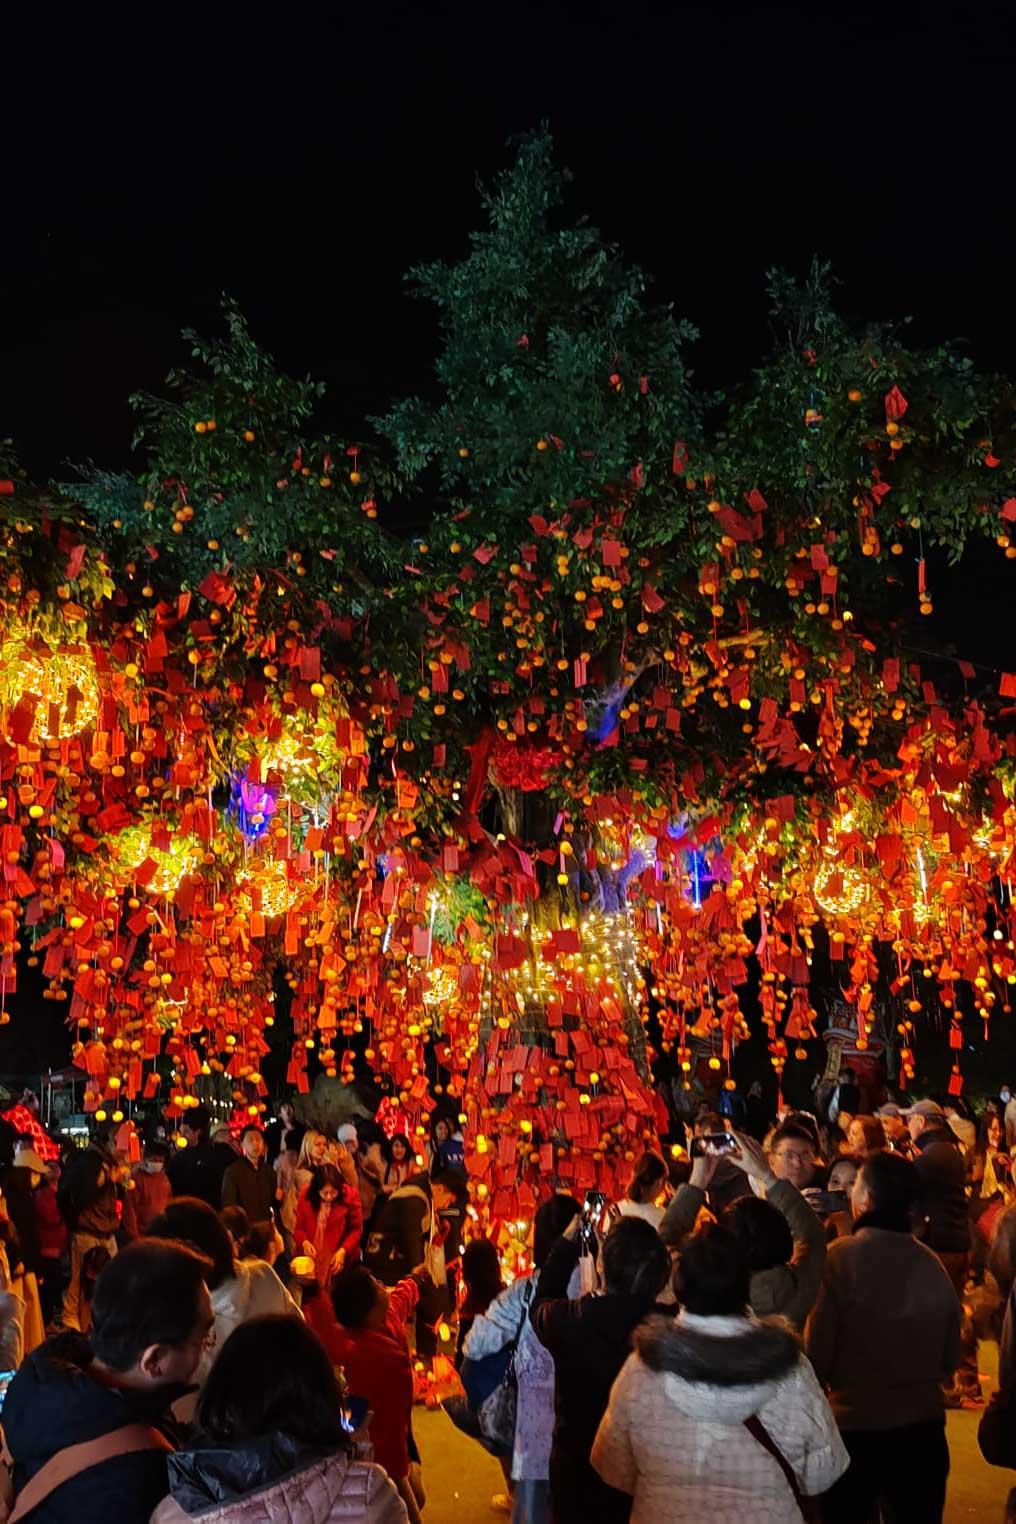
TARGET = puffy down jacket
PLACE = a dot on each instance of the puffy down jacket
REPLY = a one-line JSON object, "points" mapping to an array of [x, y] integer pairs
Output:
{"points": [[274, 1481]]}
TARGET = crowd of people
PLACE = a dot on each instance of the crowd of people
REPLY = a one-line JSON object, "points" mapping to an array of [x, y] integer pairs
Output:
{"points": [[762, 1327]]}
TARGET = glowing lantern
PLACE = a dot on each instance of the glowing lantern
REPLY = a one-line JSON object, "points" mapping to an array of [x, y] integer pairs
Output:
{"points": [[61, 682], [278, 892], [844, 899], [134, 846]]}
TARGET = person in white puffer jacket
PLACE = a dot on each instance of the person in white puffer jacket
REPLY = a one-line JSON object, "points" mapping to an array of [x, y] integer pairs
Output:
{"points": [[239, 1291], [716, 1411]]}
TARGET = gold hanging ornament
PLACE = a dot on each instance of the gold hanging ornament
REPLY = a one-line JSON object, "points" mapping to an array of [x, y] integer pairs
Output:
{"points": [[134, 847], [850, 895], [278, 892], [61, 682]]}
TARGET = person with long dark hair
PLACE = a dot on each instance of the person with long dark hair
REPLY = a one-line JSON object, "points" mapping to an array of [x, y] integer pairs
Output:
{"points": [[329, 1223], [400, 1163], [88, 1201], [649, 1178], [506, 1320], [482, 1283], [275, 1448], [989, 1170]]}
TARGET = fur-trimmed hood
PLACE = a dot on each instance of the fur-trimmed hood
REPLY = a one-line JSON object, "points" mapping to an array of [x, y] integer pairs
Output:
{"points": [[718, 1370]]}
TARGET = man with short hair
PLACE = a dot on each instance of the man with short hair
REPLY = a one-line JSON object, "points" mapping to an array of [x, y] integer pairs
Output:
{"points": [[895, 1128], [250, 1183], [792, 1157], [943, 1175], [884, 1336], [151, 1320], [192, 1169]]}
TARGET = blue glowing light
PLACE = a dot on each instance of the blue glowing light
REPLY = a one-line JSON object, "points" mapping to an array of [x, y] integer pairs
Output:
{"points": [[251, 805]]}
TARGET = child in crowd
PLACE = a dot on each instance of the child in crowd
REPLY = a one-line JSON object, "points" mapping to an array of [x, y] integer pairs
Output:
{"points": [[363, 1328], [149, 1191]]}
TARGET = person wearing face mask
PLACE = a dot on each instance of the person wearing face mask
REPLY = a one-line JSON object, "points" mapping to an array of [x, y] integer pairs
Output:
{"points": [[250, 1183], [150, 1191]]}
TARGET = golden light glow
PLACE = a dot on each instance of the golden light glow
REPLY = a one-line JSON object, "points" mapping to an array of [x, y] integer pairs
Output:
{"points": [[134, 846], [852, 893], [278, 892], [442, 986], [62, 682]]}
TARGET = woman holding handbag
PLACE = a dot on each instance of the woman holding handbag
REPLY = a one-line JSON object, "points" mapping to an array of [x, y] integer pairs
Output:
{"points": [[506, 1326]]}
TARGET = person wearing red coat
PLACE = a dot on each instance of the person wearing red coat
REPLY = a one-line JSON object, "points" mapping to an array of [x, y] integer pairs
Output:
{"points": [[150, 1191], [362, 1326], [329, 1223]]}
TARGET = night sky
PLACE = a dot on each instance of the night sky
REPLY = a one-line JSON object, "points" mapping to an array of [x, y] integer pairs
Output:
{"points": [[301, 158], [303, 163]]}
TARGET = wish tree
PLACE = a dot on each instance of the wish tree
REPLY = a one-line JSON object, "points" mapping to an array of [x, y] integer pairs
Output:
{"points": [[508, 809]]}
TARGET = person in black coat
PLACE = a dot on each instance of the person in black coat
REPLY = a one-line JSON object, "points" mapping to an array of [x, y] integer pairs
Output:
{"points": [[21, 1180], [403, 1230], [249, 1182], [151, 1317], [589, 1341], [943, 1173], [194, 1171]]}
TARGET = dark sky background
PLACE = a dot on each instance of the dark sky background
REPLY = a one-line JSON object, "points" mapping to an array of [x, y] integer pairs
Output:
{"points": [[303, 161], [302, 157]]}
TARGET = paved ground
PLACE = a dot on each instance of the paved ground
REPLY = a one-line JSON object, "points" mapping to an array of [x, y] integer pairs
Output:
{"points": [[461, 1478]]}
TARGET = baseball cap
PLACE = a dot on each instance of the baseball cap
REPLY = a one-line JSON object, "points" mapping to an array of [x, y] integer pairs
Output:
{"points": [[890, 1109], [347, 1133], [923, 1109]]}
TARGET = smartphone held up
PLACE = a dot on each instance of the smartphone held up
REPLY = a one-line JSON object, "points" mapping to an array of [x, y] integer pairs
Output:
{"points": [[713, 1145]]}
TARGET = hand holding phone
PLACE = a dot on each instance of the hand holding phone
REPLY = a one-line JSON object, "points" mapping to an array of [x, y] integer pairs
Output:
{"points": [[713, 1145]]}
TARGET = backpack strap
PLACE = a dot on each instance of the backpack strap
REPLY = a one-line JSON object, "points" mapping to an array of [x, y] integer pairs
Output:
{"points": [[757, 1429], [74, 1459]]}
